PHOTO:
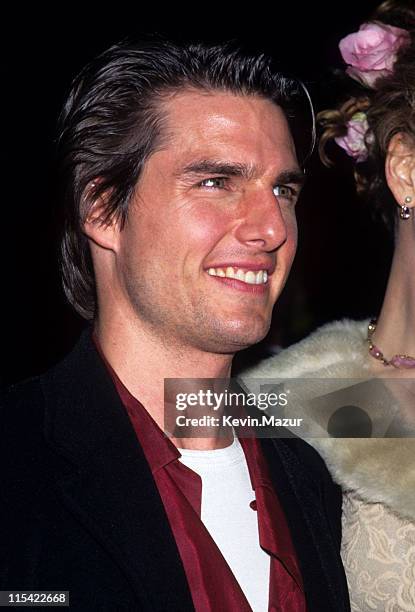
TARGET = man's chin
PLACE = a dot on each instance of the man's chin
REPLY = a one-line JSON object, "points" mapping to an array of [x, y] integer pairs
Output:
{"points": [[239, 338]]}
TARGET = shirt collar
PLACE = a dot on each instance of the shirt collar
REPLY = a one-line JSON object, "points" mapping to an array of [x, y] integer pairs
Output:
{"points": [[157, 447]]}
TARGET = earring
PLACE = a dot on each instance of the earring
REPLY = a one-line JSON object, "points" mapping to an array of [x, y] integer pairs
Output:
{"points": [[405, 212]]}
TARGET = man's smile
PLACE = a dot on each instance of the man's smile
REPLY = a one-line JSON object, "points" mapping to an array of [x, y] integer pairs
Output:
{"points": [[250, 277]]}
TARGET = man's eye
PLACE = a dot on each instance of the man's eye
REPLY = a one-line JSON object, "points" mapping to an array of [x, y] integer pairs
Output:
{"points": [[284, 191], [217, 182]]}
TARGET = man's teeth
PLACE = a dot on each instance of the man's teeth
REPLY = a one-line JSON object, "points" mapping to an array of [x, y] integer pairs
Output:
{"points": [[250, 277]]}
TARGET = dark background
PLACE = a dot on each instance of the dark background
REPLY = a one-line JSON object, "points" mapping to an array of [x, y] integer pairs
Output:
{"points": [[343, 257]]}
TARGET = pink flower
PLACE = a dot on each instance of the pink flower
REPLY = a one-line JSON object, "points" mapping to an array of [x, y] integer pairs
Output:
{"points": [[371, 52], [354, 141]]}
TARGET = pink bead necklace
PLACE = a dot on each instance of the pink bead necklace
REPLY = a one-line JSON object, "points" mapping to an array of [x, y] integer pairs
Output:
{"points": [[397, 361]]}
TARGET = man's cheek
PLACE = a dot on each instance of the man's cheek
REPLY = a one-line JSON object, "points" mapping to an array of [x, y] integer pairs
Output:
{"points": [[201, 239], [206, 226], [292, 238]]}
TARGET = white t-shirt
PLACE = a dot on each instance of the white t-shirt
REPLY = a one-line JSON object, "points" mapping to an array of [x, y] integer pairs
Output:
{"points": [[232, 523]]}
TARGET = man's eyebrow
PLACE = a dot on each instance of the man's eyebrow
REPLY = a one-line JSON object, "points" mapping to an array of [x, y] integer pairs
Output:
{"points": [[210, 166], [295, 176], [247, 171]]}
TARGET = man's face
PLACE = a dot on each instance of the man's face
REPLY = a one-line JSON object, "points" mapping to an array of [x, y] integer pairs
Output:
{"points": [[211, 231]]}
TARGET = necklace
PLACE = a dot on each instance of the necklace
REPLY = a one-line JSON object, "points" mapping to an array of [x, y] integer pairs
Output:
{"points": [[397, 361]]}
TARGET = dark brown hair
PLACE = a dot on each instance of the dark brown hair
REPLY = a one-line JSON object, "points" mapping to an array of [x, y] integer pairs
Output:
{"points": [[389, 108]]}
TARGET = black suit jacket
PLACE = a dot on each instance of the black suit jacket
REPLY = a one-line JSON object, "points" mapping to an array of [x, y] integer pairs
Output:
{"points": [[79, 509]]}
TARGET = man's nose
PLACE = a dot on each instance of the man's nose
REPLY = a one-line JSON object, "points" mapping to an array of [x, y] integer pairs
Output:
{"points": [[263, 224]]}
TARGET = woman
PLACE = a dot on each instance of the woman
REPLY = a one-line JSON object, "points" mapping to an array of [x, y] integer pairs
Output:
{"points": [[377, 129]]}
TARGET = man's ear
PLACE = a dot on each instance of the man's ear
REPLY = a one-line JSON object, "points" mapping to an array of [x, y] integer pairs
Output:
{"points": [[99, 228], [400, 169]]}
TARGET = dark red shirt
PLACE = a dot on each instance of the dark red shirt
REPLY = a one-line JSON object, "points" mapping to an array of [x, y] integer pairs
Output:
{"points": [[211, 582]]}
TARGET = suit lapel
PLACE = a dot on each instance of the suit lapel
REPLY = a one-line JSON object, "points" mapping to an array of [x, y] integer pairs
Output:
{"points": [[110, 488], [302, 501]]}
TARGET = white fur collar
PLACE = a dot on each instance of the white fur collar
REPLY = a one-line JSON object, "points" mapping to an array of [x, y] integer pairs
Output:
{"points": [[378, 470]]}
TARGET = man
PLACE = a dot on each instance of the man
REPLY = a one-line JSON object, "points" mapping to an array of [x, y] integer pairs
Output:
{"points": [[181, 179]]}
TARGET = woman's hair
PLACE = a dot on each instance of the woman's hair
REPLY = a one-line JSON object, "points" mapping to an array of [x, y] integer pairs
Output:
{"points": [[389, 108], [113, 121]]}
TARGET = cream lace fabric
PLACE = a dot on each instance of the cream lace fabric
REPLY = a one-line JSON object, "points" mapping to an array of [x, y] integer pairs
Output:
{"points": [[378, 551]]}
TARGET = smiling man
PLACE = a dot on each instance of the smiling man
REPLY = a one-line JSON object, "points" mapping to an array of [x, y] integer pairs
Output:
{"points": [[180, 180]]}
